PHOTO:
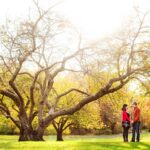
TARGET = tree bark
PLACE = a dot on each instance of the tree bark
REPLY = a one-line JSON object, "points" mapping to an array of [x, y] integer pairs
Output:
{"points": [[113, 128], [26, 134], [40, 133], [29, 135]]}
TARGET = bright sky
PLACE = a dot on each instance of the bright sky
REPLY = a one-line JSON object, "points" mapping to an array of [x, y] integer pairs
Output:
{"points": [[94, 18]]}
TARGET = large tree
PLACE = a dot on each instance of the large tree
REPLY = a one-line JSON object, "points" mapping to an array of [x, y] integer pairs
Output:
{"points": [[37, 51]]}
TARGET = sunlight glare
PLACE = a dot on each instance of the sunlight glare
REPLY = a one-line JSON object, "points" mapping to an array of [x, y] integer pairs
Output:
{"points": [[95, 18]]}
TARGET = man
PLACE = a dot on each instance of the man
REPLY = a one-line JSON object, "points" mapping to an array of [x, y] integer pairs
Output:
{"points": [[135, 123]]}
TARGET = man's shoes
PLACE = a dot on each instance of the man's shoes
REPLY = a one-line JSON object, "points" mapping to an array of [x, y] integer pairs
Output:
{"points": [[132, 141], [125, 140]]}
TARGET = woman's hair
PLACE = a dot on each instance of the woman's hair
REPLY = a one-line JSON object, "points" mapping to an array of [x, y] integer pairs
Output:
{"points": [[124, 107]]}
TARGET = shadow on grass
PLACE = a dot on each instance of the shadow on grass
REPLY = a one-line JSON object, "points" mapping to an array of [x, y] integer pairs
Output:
{"points": [[113, 146]]}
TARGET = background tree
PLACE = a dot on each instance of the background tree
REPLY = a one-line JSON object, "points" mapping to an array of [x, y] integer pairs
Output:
{"points": [[110, 109], [87, 120], [61, 124]]}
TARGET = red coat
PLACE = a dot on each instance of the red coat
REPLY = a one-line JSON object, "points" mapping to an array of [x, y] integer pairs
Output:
{"points": [[125, 116], [136, 114]]}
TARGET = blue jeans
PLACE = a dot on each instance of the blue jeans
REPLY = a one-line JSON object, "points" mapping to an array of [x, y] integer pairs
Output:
{"points": [[136, 131]]}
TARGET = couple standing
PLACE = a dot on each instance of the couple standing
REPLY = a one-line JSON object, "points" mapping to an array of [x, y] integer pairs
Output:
{"points": [[127, 122]]}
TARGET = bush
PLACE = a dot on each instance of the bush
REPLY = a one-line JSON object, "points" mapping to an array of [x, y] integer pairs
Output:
{"points": [[7, 127]]}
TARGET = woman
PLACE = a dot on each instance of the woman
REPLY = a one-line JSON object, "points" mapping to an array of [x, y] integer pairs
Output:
{"points": [[125, 122]]}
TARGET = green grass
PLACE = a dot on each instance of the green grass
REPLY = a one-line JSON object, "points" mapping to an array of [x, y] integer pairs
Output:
{"points": [[104, 142]]}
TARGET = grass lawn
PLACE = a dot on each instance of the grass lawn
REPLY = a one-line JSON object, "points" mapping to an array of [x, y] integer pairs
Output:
{"points": [[103, 142]]}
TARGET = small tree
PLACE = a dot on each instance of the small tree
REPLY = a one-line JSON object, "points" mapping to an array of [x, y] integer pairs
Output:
{"points": [[61, 125]]}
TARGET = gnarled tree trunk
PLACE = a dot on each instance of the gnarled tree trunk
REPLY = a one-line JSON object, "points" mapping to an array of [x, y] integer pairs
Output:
{"points": [[26, 130], [28, 134]]}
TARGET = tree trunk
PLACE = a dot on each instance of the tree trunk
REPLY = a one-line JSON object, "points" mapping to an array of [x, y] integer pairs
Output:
{"points": [[26, 130], [113, 128], [59, 136], [27, 134], [40, 133]]}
